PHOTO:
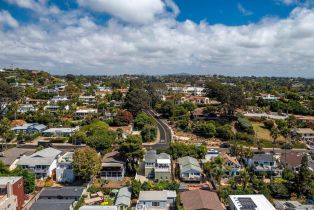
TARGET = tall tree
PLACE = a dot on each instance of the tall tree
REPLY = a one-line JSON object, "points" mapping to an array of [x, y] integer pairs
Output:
{"points": [[131, 150], [8, 94], [137, 100], [274, 133], [86, 163], [304, 177]]}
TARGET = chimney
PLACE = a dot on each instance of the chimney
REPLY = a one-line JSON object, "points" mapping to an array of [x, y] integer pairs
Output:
{"points": [[9, 189]]}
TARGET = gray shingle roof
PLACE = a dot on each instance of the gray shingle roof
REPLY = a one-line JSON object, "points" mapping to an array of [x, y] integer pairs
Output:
{"points": [[163, 156], [52, 204], [12, 154], [124, 196], [151, 156], [42, 157], [153, 196], [189, 163], [54, 192], [262, 157]]}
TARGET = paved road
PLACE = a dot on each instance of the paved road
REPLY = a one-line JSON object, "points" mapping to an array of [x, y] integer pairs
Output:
{"points": [[165, 135], [277, 150]]}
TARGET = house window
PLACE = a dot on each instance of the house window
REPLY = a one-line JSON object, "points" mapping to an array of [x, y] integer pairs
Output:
{"points": [[155, 203]]}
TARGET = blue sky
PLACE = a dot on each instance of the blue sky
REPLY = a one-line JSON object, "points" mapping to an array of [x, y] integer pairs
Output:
{"points": [[232, 37]]}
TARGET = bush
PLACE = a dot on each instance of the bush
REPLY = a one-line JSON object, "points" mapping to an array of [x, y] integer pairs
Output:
{"points": [[268, 124], [205, 129], [149, 133], [245, 137], [245, 125], [224, 132], [143, 119]]}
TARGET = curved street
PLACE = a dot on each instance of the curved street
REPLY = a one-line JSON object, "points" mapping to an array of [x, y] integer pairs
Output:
{"points": [[165, 134]]}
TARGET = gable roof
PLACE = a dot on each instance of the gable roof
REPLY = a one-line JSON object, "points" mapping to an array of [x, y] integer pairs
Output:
{"points": [[150, 156], [227, 158], [189, 163], [152, 196], [124, 196], [188, 160], [292, 159], [112, 159], [42, 157], [200, 199]]}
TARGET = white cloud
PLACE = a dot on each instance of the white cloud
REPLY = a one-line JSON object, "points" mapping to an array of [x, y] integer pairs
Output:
{"points": [[39, 6], [133, 11], [306, 3], [173, 6], [74, 43], [243, 10], [7, 19]]}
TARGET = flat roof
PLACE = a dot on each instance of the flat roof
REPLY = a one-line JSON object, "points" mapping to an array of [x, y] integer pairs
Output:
{"points": [[259, 200], [11, 179]]}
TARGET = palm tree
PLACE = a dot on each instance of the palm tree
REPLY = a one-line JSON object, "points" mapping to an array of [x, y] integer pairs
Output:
{"points": [[232, 182], [244, 177], [215, 168], [274, 133]]}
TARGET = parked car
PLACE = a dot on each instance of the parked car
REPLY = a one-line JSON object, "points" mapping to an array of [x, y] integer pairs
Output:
{"points": [[225, 145]]}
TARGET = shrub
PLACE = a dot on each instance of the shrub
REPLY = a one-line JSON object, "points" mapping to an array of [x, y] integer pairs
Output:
{"points": [[244, 125]]}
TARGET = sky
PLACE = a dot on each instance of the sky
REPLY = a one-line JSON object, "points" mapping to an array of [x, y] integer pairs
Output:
{"points": [[107, 37]]}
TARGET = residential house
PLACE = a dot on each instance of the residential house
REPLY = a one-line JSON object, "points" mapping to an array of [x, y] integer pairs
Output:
{"points": [[88, 100], [306, 134], [11, 156], [43, 162], [292, 205], [60, 132], [11, 192], [61, 198], [116, 103], [55, 108], [123, 199], [64, 170], [157, 166], [200, 200], [196, 91], [241, 202], [306, 119], [29, 128], [23, 109], [151, 200], [268, 97], [124, 91], [264, 163], [199, 114], [231, 165], [112, 167], [293, 160], [58, 99], [83, 113], [195, 99], [7, 199], [190, 169]]}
